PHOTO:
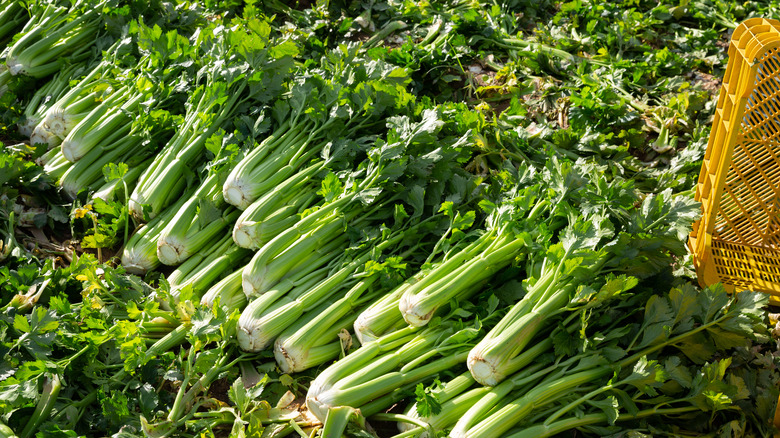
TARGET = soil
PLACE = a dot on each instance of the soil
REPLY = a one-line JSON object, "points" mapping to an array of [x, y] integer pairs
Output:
{"points": [[219, 390]]}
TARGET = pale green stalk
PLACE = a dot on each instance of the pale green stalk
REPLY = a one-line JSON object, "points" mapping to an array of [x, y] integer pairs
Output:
{"points": [[378, 369], [164, 181], [51, 389], [246, 339], [418, 304], [197, 223], [56, 164], [87, 172], [489, 359], [41, 135], [335, 424], [61, 120], [227, 292], [104, 124], [559, 427], [495, 425], [268, 322], [244, 185], [319, 398], [48, 156], [201, 271], [115, 190], [382, 316], [12, 18], [367, 388], [314, 338], [264, 272], [140, 253], [276, 211], [45, 98], [525, 374], [451, 411], [82, 95], [38, 52], [494, 250], [254, 332]]}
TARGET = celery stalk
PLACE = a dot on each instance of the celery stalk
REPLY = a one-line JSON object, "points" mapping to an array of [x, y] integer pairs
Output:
{"points": [[200, 219]]}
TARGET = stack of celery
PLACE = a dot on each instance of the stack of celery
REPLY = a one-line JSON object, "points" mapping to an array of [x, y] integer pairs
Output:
{"points": [[299, 207]]}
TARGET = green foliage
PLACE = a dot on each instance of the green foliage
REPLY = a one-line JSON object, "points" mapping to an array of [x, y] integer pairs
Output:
{"points": [[577, 128], [426, 402]]}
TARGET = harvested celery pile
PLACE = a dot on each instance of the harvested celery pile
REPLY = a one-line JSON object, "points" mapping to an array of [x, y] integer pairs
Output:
{"points": [[367, 219]]}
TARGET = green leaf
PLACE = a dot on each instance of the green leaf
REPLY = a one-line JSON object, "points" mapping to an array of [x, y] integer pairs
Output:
{"points": [[368, 196], [646, 375], [255, 392], [487, 206], [331, 187], [448, 208], [133, 312], [741, 390], [31, 369], [228, 327], [658, 315], [214, 144], [39, 331], [564, 343], [586, 234], [208, 212], [751, 303], [147, 399], [132, 352], [416, 198], [260, 27], [683, 302], [616, 286], [114, 171], [426, 400], [7, 369], [492, 304], [608, 406], [399, 214], [50, 430], [613, 354], [463, 222], [725, 339], [14, 393], [713, 301], [747, 313], [113, 209], [239, 429], [114, 407], [287, 48], [97, 240], [256, 427], [677, 372], [58, 214], [238, 395], [286, 380], [205, 326], [60, 304], [625, 401], [697, 348], [717, 400], [206, 360], [21, 324], [665, 213]]}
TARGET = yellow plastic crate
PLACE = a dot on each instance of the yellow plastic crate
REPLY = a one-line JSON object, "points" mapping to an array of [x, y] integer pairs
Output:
{"points": [[737, 240]]}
